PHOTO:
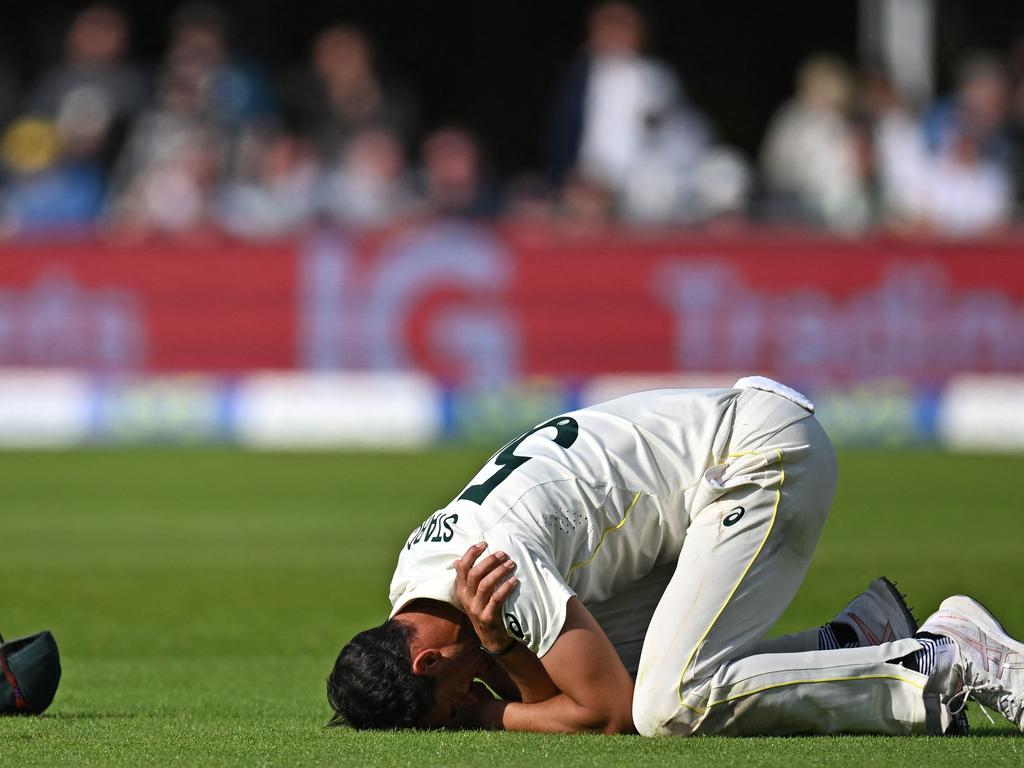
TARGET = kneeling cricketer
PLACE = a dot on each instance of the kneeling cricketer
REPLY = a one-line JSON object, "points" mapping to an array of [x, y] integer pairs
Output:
{"points": [[616, 569]]}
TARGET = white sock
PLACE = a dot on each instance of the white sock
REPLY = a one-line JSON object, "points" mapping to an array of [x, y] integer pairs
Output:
{"points": [[827, 640], [936, 655]]}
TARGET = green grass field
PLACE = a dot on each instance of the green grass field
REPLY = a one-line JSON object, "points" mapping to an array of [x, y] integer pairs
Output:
{"points": [[200, 596]]}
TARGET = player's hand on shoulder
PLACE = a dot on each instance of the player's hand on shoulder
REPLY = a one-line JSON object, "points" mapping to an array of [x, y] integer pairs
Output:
{"points": [[482, 585]]}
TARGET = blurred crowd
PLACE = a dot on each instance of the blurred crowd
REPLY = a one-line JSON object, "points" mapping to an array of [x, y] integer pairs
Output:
{"points": [[207, 141]]}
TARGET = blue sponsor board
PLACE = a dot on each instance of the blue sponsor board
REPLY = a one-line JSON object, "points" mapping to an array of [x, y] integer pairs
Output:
{"points": [[201, 408], [154, 409], [493, 415], [889, 412]]}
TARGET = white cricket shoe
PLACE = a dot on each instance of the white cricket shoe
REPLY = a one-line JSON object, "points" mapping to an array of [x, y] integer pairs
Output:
{"points": [[990, 664], [879, 614]]}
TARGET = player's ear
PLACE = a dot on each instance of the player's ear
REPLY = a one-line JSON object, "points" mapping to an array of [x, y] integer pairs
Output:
{"points": [[426, 661]]}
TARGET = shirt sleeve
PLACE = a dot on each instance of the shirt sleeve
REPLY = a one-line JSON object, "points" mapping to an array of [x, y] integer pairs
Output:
{"points": [[535, 611]]}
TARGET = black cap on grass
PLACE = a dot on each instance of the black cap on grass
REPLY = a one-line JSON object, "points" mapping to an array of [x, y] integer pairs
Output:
{"points": [[29, 674]]}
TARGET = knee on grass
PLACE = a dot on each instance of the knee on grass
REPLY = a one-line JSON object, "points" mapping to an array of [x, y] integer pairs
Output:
{"points": [[656, 713]]}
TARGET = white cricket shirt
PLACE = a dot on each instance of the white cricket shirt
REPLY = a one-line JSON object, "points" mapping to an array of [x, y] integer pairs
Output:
{"points": [[586, 504]]}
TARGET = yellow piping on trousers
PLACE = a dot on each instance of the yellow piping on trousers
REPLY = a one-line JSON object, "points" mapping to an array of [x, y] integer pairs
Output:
{"points": [[771, 526], [803, 682]]}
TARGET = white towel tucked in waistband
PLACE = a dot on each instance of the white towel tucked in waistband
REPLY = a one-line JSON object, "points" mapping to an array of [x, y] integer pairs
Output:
{"points": [[768, 385]]}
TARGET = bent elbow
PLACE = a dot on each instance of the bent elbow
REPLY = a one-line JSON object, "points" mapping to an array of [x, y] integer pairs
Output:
{"points": [[619, 725], [612, 722]]}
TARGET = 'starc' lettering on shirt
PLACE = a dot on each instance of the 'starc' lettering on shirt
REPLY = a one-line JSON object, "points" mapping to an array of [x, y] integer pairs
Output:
{"points": [[436, 528]]}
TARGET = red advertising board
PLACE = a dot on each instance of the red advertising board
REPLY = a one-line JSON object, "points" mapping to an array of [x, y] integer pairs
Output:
{"points": [[465, 302]]}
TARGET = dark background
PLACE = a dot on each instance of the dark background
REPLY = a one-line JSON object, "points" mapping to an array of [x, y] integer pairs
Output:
{"points": [[493, 64]]}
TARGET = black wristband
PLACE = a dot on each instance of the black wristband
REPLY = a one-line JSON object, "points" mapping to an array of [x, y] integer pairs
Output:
{"points": [[503, 652]]}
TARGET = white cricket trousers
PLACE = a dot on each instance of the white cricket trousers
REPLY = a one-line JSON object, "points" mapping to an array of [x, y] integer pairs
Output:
{"points": [[754, 523]]}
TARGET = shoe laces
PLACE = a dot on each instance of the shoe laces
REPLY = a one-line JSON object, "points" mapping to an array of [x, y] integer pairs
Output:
{"points": [[957, 703], [1007, 704]]}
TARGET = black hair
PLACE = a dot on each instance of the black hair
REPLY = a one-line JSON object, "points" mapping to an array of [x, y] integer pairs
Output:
{"points": [[372, 685]]}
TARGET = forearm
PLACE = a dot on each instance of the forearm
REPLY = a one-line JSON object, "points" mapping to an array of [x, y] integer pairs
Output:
{"points": [[527, 673], [580, 686], [558, 714]]}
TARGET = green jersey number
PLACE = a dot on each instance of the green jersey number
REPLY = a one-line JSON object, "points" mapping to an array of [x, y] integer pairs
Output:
{"points": [[568, 429]]}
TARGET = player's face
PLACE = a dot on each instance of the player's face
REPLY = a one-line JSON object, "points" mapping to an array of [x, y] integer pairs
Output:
{"points": [[455, 690]]}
